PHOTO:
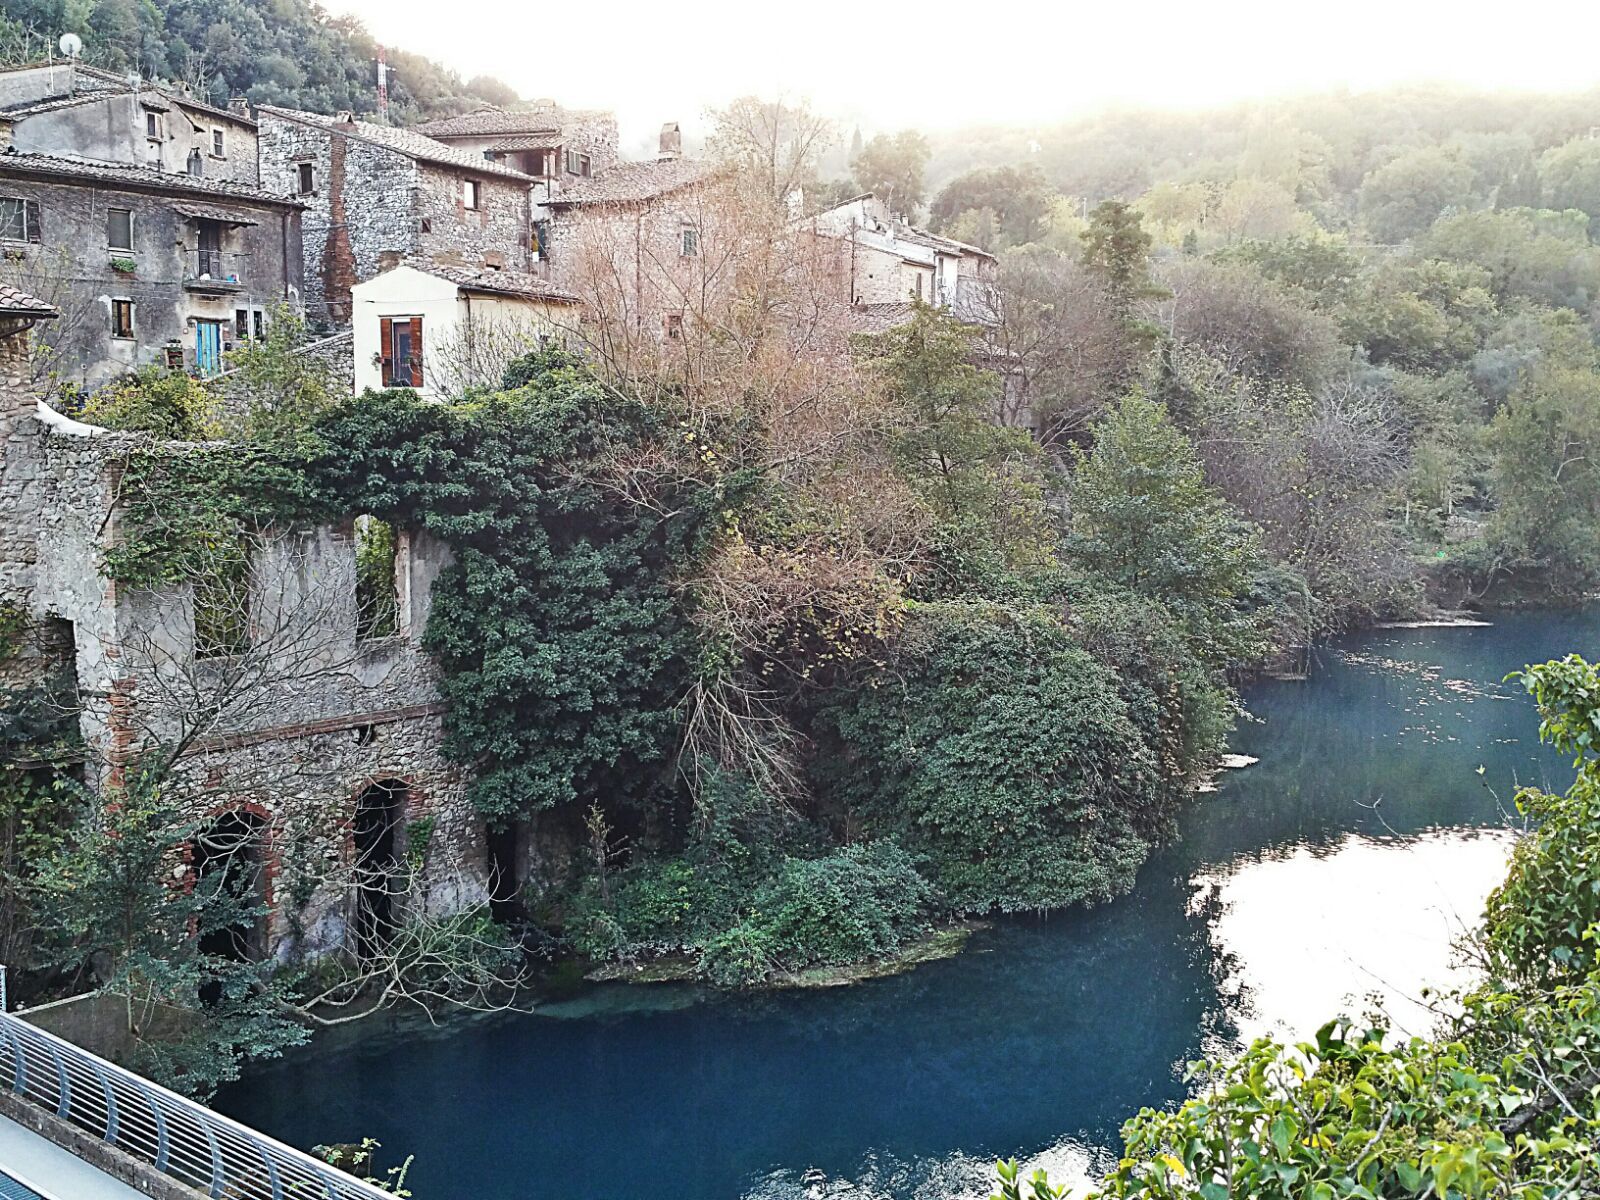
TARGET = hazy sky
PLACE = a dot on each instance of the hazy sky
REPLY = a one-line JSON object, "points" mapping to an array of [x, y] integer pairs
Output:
{"points": [[937, 64]]}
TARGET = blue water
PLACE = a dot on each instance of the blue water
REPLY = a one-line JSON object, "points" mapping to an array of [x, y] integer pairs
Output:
{"points": [[1335, 869]]}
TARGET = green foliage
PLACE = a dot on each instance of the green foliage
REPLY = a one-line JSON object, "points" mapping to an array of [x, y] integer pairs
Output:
{"points": [[280, 391], [377, 600], [109, 904], [1407, 194], [153, 400], [288, 52], [1144, 519], [1546, 486], [1000, 754], [891, 166], [1503, 1102], [561, 643], [1016, 199], [860, 903]]}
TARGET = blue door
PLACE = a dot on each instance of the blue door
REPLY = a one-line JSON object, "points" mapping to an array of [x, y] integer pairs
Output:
{"points": [[208, 347]]}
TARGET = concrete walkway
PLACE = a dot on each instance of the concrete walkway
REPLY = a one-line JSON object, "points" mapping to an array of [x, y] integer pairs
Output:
{"points": [[51, 1172]]}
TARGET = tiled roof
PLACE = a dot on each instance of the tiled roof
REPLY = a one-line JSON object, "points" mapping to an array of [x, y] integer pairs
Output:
{"points": [[933, 241], [34, 107], [547, 140], [405, 141], [14, 301], [632, 182], [489, 121], [499, 283], [137, 177]]}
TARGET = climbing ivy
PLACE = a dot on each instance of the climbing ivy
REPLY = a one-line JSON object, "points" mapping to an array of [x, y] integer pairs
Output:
{"points": [[562, 644]]}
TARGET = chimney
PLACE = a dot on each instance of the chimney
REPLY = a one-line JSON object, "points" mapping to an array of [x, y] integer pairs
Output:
{"points": [[239, 106], [344, 117], [671, 140]]}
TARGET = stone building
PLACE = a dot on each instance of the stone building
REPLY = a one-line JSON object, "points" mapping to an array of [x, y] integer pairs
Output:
{"points": [[312, 732], [892, 263], [552, 144], [441, 329], [629, 239], [146, 266], [375, 194], [66, 108]]}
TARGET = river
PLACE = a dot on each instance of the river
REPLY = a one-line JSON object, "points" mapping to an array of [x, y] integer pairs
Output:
{"points": [[1335, 870]]}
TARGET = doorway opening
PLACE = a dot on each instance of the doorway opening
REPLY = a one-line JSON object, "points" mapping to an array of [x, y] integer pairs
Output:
{"points": [[377, 864]]}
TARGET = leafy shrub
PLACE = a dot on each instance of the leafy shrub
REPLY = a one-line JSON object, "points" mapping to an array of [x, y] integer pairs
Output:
{"points": [[857, 904], [165, 404], [999, 752]]}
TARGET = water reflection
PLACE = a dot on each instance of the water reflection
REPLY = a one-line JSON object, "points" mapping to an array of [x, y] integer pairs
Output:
{"points": [[1341, 864]]}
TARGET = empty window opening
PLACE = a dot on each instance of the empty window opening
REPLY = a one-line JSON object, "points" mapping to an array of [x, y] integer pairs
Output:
{"points": [[122, 318], [674, 327], [375, 833], [230, 878], [216, 142], [503, 846], [19, 219], [119, 229], [471, 192], [377, 592], [241, 324], [222, 608], [152, 126], [307, 178], [197, 164], [401, 351], [259, 319], [691, 241]]}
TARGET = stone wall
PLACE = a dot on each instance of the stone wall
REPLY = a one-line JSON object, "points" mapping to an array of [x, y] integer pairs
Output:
{"points": [[293, 728], [364, 206], [496, 233]]}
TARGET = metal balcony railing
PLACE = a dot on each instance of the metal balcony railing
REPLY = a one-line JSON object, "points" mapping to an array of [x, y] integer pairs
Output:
{"points": [[215, 268], [207, 1151]]}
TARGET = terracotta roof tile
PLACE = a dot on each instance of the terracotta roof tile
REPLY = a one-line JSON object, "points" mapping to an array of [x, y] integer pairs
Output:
{"points": [[490, 121], [404, 141], [632, 182], [136, 177], [498, 282], [14, 301]]}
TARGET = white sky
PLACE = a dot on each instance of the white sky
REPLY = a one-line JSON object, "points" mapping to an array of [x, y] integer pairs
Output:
{"points": [[937, 64]]}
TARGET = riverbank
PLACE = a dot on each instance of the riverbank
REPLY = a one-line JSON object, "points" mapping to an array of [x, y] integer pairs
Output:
{"points": [[1367, 787]]}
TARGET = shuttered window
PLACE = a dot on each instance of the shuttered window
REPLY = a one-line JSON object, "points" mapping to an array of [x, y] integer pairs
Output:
{"points": [[402, 351]]}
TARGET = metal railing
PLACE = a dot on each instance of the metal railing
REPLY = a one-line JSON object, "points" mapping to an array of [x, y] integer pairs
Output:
{"points": [[186, 1141]]}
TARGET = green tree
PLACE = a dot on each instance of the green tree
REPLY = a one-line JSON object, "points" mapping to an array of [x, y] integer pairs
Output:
{"points": [[1569, 175], [1116, 250], [1018, 197], [1143, 518], [891, 166], [1407, 194]]}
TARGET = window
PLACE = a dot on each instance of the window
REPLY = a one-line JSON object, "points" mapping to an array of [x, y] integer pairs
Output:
{"points": [[241, 324], [401, 351], [19, 220], [577, 164], [919, 285], [152, 126], [491, 155], [119, 229], [308, 178], [541, 240], [471, 190], [122, 318], [674, 327], [377, 596], [260, 324], [197, 166], [691, 241], [216, 142], [222, 607]]}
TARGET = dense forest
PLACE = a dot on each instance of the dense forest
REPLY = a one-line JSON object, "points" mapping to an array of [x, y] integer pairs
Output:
{"points": [[289, 52], [1374, 315]]}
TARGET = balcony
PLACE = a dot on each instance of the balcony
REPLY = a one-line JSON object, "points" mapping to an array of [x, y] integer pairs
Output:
{"points": [[213, 272]]}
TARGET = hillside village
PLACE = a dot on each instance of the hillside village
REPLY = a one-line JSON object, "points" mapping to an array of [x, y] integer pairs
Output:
{"points": [[158, 230]]}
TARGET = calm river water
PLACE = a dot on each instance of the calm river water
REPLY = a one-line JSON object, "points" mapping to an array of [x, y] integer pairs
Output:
{"points": [[1338, 867]]}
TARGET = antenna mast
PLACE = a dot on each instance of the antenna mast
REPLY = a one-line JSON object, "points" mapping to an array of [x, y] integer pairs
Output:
{"points": [[383, 83]]}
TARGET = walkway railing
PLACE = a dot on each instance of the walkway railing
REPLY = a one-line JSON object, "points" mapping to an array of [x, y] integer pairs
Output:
{"points": [[187, 1141]]}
